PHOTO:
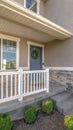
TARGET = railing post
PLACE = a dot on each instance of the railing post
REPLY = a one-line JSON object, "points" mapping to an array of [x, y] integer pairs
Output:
{"points": [[47, 80], [20, 85]]}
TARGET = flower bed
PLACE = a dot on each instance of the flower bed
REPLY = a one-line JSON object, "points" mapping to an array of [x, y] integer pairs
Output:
{"points": [[43, 122]]}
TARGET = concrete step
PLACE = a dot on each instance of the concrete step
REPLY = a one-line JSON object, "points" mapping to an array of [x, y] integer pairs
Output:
{"points": [[66, 106], [61, 97], [64, 102]]}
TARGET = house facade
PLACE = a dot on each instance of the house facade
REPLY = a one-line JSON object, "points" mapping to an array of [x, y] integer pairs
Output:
{"points": [[30, 41], [24, 34]]}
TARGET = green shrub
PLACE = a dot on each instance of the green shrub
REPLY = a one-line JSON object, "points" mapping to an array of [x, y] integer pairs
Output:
{"points": [[68, 122], [30, 114], [47, 106], [5, 122]]}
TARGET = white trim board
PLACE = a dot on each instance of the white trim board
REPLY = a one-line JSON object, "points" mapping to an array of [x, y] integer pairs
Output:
{"points": [[38, 45], [61, 68], [3, 36]]}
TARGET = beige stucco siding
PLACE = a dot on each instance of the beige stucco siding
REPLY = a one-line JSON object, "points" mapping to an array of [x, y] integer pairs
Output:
{"points": [[42, 8], [20, 2], [60, 12], [23, 53], [59, 53]]}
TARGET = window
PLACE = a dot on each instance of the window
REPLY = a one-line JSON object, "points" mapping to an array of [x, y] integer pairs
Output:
{"points": [[32, 5], [8, 54]]}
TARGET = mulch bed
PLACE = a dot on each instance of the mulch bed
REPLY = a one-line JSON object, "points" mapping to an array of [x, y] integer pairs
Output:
{"points": [[54, 121]]}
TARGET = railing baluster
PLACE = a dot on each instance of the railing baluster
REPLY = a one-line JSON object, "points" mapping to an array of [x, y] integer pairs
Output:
{"points": [[42, 80], [39, 81], [31, 84], [34, 82], [6, 86], [28, 83], [11, 85], [15, 84], [2, 93], [24, 85]]}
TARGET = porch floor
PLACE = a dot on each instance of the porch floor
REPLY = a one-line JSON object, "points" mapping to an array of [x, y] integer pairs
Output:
{"points": [[54, 88]]}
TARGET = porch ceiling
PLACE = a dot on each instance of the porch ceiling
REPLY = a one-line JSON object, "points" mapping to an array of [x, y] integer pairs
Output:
{"points": [[18, 30], [16, 20]]}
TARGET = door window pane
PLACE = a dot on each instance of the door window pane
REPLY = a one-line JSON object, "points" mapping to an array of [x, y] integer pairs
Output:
{"points": [[9, 54]]}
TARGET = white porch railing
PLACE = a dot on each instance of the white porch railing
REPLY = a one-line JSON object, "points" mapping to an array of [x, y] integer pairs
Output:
{"points": [[18, 84]]}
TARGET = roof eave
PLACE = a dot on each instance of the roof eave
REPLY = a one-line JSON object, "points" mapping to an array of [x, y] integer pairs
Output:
{"points": [[44, 23]]}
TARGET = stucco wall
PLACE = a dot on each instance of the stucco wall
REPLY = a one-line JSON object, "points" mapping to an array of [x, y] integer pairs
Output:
{"points": [[42, 8], [59, 53], [20, 2], [60, 12], [23, 53]]}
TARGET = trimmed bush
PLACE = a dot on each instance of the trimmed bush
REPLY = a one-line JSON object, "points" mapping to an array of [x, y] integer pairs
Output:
{"points": [[47, 106], [5, 122], [68, 122], [30, 114]]}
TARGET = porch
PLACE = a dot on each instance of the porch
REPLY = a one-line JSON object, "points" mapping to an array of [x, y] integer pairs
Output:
{"points": [[21, 88], [20, 84], [16, 108]]}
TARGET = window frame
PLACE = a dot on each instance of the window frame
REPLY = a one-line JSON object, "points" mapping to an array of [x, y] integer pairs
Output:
{"points": [[17, 40], [38, 6]]}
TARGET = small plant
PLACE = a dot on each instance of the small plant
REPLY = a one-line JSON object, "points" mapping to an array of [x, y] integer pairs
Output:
{"points": [[30, 114], [5, 122], [47, 106], [68, 122]]}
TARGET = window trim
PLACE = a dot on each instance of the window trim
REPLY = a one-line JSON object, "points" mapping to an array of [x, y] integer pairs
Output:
{"points": [[17, 40], [38, 6]]}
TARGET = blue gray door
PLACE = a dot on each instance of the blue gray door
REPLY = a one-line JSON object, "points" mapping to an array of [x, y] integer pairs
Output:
{"points": [[35, 58]]}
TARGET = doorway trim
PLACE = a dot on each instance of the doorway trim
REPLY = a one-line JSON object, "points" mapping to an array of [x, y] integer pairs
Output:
{"points": [[38, 45]]}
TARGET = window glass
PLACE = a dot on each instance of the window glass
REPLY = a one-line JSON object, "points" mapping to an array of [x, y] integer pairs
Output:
{"points": [[9, 54], [32, 5]]}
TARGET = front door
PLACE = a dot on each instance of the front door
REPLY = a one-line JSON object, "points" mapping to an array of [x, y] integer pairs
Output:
{"points": [[35, 58]]}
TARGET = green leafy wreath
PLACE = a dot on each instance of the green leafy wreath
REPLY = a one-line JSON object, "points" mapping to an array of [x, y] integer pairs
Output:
{"points": [[35, 54]]}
